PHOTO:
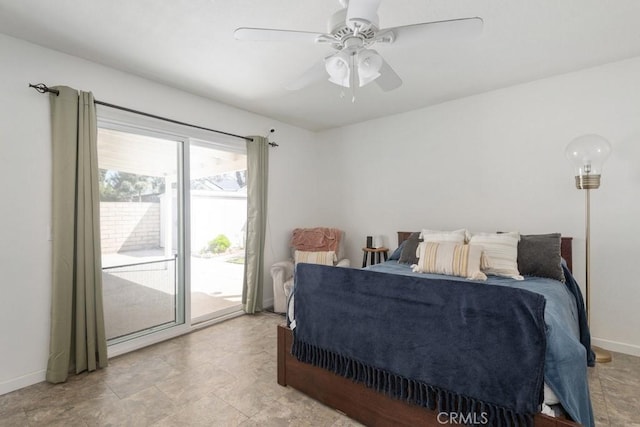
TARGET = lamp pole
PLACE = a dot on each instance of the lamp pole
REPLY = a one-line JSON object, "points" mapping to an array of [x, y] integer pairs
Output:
{"points": [[602, 355], [587, 234], [588, 153]]}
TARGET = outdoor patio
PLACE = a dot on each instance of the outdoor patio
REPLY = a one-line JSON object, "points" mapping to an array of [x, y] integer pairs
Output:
{"points": [[139, 288]]}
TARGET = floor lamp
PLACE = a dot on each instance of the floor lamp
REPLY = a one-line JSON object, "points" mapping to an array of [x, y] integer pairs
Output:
{"points": [[588, 153]]}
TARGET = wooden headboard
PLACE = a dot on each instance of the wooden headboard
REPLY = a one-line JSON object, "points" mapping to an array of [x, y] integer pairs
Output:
{"points": [[565, 247]]}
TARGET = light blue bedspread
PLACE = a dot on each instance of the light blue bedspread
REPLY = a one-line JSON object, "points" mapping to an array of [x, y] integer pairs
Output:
{"points": [[566, 358]]}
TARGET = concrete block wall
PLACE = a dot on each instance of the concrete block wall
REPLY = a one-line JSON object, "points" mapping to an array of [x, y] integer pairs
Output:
{"points": [[129, 226]]}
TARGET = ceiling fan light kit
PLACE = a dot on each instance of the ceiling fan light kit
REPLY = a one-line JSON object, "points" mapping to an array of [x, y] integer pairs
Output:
{"points": [[352, 30], [338, 68], [361, 65], [369, 64]]}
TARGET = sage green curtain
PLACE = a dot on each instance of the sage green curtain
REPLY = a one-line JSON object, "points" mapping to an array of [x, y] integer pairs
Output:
{"points": [[257, 185], [77, 336]]}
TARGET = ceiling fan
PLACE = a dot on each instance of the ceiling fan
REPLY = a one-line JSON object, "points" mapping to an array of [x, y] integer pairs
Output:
{"points": [[352, 31]]}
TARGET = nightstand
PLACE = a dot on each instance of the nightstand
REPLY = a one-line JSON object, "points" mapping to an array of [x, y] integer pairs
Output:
{"points": [[375, 255]]}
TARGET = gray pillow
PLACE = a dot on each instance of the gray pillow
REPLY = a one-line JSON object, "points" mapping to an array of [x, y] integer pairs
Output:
{"points": [[395, 256], [539, 255], [408, 254]]}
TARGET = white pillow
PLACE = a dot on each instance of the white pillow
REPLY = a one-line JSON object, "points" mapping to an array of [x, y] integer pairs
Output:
{"points": [[500, 253], [452, 259], [456, 236], [322, 257]]}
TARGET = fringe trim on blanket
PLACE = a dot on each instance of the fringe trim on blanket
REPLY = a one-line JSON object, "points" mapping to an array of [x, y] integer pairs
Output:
{"points": [[473, 411]]}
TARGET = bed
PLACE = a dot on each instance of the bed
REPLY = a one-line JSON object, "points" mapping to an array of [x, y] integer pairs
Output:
{"points": [[372, 404]]}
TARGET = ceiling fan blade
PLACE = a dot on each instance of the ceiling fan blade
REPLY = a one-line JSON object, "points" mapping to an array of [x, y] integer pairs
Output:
{"points": [[364, 12], [389, 79], [267, 34], [445, 30], [316, 73]]}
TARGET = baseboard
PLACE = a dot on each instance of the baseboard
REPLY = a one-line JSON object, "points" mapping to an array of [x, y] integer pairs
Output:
{"points": [[620, 347], [267, 303], [23, 381]]}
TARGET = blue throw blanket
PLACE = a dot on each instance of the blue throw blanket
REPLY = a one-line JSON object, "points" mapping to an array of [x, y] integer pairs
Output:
{"points": [[421, 341], [568, 340]]}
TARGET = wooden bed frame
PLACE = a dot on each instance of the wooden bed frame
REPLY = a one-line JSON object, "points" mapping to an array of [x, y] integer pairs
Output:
{"points": [[361, 403]]}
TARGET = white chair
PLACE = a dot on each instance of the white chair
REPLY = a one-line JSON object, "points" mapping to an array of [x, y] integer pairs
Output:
{"points": [[282, 275]]}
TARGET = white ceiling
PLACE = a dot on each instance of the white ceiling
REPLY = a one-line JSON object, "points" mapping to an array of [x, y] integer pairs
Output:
{"points": [[189, 44]]}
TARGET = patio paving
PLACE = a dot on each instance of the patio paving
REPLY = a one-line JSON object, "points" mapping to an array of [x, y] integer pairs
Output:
{"points": [[138, 297]]}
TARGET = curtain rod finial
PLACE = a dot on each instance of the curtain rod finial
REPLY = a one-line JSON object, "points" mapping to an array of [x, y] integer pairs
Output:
{"points": [[42, 88]]}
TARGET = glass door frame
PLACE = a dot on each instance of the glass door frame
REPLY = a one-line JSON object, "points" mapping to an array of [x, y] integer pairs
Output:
{"points": [[181, 325], [130, 122]]}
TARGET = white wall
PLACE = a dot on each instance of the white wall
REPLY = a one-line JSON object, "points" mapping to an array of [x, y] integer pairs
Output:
{"points": [[215, 214], [496, 162], [25, 156]]}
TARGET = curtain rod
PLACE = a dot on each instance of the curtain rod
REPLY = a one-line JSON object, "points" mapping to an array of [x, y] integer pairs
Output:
{"points": [[42, 88]]}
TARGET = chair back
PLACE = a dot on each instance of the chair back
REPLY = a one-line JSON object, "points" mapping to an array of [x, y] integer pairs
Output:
{"points": [[318, 239]]}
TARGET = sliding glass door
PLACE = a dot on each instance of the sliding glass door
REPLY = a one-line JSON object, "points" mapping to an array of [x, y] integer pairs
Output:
{"points": [[140, 193], [173, 212], [218, 217]]}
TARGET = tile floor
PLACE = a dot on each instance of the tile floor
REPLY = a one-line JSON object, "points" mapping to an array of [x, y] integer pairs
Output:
{"points": [[225, 375]]}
